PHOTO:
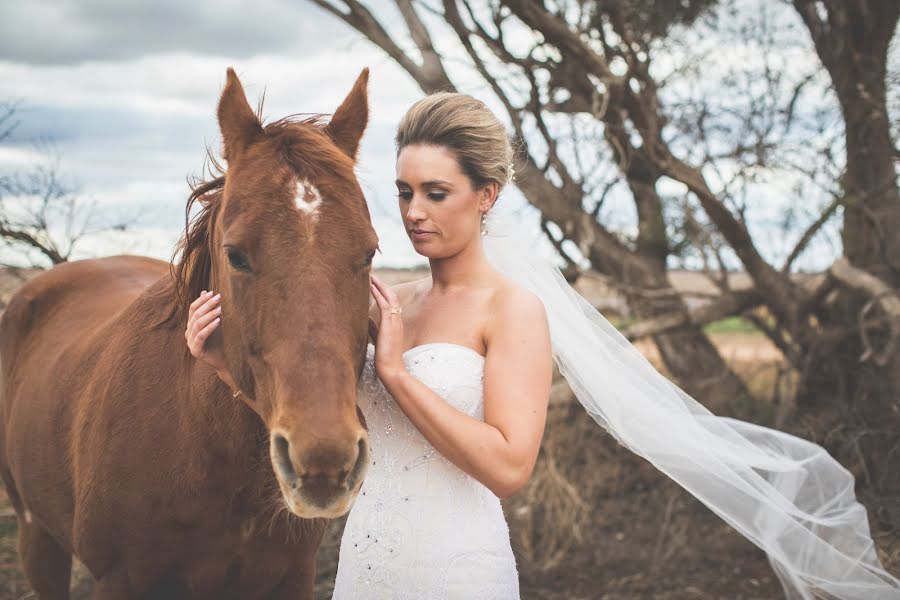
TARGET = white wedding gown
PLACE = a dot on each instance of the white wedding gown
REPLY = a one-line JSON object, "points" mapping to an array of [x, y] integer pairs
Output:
{"points": [[421, 528]]}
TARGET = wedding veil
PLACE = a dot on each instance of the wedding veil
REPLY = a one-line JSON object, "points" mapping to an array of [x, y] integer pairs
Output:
{"points": [[785, 494]]}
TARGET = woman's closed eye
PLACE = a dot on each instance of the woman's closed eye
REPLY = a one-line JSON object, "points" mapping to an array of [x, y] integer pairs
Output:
{"points": [[436, 195]]}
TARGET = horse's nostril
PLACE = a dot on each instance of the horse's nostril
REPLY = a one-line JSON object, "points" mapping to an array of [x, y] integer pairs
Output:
{"points": [[362, 455], [282, 456]]}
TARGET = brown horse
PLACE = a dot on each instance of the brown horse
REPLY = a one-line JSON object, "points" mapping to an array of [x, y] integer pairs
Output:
{"points": [[117, 447]]}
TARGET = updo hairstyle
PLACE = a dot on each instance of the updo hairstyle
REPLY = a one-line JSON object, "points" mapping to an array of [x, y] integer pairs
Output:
{"points": [[467, 128]]}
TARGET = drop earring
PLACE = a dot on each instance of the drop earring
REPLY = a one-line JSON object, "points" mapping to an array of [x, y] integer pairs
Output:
{"points": [[484, 223]]}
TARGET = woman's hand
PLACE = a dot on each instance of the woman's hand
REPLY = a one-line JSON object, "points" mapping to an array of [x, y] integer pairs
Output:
{"points": [[388, 333], [203, 318]]}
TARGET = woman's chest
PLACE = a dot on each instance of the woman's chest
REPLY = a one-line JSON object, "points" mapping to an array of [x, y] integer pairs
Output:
{"points": [[452, 371]]}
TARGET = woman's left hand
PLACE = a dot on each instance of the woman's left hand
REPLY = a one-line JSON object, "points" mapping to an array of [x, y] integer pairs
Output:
{"points": [[388, 334]]}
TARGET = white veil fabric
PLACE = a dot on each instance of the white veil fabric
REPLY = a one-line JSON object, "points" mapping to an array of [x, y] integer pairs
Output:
{"points": [[785, 494]]}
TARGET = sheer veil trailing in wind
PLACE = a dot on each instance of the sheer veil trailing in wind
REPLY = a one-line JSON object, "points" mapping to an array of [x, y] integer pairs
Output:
{"points": [[785, 494]]}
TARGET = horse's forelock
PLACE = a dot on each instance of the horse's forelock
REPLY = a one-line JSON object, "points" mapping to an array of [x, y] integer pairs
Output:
{"points": [[307, 147]]}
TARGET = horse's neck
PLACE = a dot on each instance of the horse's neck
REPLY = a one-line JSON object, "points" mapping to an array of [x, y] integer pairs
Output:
{"points": [[226, 424]]}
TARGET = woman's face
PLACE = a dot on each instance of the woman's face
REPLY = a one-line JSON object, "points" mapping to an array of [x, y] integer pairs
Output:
{"points": [[441, 210]]}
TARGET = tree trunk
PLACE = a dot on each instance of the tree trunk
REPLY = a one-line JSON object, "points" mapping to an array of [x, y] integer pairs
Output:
{"points": [[686, 351], [853, 382]]}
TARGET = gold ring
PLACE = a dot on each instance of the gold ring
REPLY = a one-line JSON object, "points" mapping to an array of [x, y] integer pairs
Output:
{"points": [[396, 311]]}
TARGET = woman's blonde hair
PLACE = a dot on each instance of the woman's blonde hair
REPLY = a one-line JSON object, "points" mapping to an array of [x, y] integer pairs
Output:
{"points": [[465, 126]]}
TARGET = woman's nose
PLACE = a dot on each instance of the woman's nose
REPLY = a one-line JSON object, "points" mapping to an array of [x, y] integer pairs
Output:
{"points": [[414, 212]]}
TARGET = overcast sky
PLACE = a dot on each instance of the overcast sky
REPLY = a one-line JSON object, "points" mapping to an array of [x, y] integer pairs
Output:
{"points": [[126, 91]]}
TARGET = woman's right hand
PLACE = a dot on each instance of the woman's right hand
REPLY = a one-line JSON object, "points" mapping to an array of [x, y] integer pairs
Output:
{"points": [[203, 318]]}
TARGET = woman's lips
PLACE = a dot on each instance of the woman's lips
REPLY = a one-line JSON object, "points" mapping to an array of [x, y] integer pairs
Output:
{"points": [[419, 234]]}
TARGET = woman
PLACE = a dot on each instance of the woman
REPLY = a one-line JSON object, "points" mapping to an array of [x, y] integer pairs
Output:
{"points": [[455, 394]]}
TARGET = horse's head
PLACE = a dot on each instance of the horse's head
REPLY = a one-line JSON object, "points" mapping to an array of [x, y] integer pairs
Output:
{"points": [[291, 247]]}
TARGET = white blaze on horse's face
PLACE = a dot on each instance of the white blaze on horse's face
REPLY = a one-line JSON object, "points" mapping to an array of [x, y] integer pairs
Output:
{"points": [[308, 199]]}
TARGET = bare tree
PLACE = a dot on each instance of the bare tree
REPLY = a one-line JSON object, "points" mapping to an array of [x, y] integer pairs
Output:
{"points": [[41, 217], [568, 184], [591, 115]]}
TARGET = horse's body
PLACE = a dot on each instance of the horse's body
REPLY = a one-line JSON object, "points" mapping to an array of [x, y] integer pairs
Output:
{"points": [[117, 448], [106, 464]]}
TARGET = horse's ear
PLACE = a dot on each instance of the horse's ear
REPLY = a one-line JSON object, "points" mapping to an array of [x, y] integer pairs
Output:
{"points": [[238, 123], [350, 119]]}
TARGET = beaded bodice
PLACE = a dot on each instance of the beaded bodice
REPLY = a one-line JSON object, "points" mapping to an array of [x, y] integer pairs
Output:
{"points": [[421, 527]]}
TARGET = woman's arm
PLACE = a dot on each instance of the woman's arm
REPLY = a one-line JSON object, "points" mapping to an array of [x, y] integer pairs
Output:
{"points": [[500, 451]]}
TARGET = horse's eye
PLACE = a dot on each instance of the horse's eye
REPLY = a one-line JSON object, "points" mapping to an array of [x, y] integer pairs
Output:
{"points": [[238, 260], [370, 257]]}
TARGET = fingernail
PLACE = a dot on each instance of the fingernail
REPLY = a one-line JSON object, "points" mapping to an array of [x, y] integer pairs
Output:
{"points": [[217, 296]]}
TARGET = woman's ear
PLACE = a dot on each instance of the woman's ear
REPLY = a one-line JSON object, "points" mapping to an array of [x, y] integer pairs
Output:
{"points": [[488, 195]]}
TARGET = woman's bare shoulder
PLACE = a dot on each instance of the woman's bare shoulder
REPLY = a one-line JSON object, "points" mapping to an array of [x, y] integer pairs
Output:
{"points": [[512, 305], [511, 297]]}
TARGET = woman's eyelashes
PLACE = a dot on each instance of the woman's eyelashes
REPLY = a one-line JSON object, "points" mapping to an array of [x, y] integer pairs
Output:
{"points": [[436, 195]]}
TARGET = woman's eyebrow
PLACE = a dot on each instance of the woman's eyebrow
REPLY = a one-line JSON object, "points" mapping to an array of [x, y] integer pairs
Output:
{"points": [[429, 183]]}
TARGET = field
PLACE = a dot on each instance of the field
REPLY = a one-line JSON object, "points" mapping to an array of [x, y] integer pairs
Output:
{"points": [[623, 532]]}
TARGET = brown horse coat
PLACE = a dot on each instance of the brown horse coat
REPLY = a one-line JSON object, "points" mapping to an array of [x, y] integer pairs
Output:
{"points": [[117, 447]]}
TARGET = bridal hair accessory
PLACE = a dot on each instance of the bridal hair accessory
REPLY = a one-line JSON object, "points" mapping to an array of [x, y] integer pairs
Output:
{"points": [[785, 494]]}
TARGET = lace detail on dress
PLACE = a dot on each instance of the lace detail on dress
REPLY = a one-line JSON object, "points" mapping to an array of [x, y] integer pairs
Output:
{"points": [[422, 528]]}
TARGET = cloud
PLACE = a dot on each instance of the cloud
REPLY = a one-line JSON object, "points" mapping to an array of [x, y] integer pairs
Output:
{"points": [[127, 93], [130, 126], [59, 32]]}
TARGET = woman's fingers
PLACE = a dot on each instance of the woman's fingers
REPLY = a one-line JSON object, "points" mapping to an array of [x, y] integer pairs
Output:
{"points": [[204, 333], [211, 302], [204, 295], [202, 311], [387, 294], [201, 321], [379, 298], [390, 295], [202, 305], [373, 330], [197, 341], [204, 315], [379, 285]]}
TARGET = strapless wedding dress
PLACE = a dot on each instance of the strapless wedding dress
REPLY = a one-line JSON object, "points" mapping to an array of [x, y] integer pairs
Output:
{"points": [[421, 528]]}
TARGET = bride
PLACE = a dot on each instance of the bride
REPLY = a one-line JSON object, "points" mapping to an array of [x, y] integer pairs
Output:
{"points": [[456, 386]]}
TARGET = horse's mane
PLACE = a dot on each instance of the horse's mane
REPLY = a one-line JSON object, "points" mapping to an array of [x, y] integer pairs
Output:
{"points": [[191, 274]]}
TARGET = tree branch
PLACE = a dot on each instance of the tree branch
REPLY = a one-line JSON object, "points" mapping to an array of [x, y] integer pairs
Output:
{"points": [[810, 233], [727, 305]]}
